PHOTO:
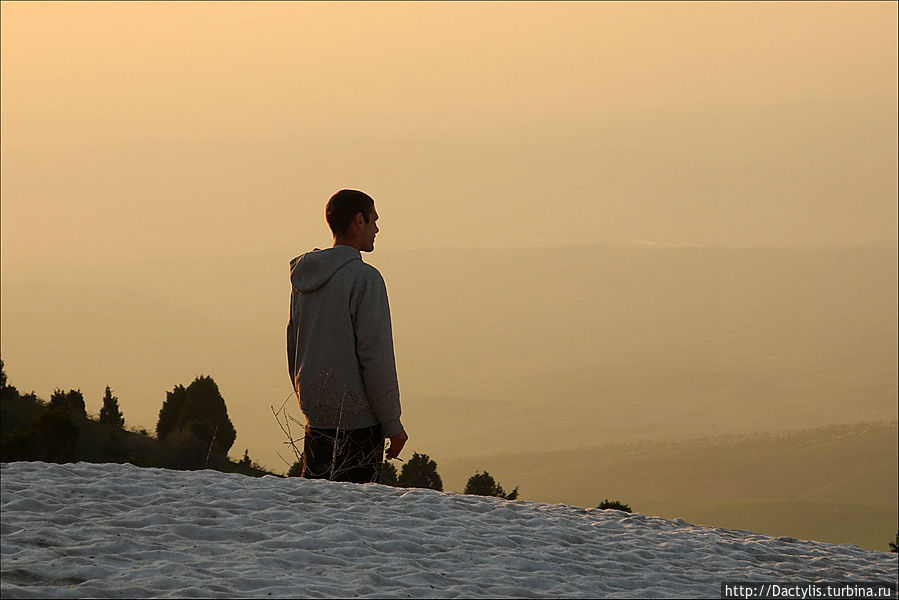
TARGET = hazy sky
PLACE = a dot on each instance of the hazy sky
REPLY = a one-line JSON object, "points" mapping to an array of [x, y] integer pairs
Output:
{"points": [[186, 130], [176, 128]]}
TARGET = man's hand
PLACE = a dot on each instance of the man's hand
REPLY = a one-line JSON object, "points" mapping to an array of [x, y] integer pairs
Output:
{"points": [[396, 444]]}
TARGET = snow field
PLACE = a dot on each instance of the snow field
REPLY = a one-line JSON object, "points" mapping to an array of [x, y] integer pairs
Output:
{"points": [[109, 530]]}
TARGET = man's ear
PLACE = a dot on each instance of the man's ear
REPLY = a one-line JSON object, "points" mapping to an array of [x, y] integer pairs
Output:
{"points": [[359, 219]]}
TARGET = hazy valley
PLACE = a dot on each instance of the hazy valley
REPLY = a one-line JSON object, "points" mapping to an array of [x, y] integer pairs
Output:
{"points": [[834, 484], [521, 356]]}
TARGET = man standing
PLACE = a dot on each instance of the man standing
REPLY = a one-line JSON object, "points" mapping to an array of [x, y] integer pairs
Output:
{"points": [[340, 349]]}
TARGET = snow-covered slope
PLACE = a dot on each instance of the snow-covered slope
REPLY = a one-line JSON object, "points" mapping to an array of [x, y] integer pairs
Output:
{"points": [[112, 530]]}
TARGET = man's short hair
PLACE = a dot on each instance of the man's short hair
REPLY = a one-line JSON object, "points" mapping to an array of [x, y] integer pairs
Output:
{"points": [[343, 207]]}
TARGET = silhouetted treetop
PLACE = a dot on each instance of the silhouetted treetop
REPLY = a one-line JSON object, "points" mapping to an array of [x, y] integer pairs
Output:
{"points": [[110, 413], [71, 402], [199, 411], [170, 411], [420, 472], [483, 484]]}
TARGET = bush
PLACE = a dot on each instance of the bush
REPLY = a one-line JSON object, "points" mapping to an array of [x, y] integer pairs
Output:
{"points": [[296, 470], [247, 466], [483, 484], [51, 438], [113, 446], [186, 450], [614, 505], [420, 472], [388, 474]]}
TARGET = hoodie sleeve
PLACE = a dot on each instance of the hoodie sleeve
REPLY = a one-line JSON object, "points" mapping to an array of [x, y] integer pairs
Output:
{"points": [[291, 344], [292, 329], [374, 350]]}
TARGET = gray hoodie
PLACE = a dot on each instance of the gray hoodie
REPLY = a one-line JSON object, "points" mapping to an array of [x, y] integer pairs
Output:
{"points": [[340, 342]]}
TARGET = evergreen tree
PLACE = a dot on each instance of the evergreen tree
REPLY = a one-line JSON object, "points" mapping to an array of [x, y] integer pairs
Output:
{"points": [[483, 484], [420, 472], [7, 392], [388, 474], [110, 413], [206, 415], [71, 402], [170, 411], [197, 411]]}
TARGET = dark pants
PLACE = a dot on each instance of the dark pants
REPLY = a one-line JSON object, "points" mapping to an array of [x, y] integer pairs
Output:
{"points": [[343, 455]]}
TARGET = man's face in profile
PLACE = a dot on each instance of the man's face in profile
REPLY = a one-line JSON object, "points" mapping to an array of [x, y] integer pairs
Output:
{"points": [[369, 230]]}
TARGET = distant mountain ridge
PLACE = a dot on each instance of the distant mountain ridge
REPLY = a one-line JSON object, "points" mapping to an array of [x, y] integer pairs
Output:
{"points": [[836, 483]]}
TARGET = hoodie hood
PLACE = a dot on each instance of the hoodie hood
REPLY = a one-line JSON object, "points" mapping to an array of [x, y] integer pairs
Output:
{"points": [[312, 270]]}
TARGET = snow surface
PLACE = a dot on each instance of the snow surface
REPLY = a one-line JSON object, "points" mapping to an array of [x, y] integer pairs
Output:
{"points": [[109, 530]]}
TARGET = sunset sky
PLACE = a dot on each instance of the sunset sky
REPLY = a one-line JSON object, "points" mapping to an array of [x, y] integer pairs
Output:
{"points": [[216, 131], [144, 129]]}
